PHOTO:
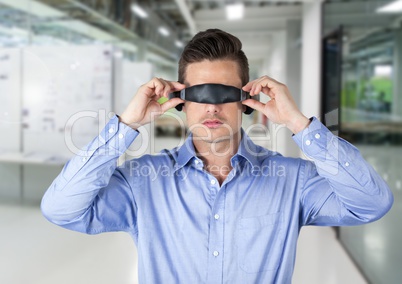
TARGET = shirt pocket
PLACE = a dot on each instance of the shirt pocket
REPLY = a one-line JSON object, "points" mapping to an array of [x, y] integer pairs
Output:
{"points": [[260, 243]]}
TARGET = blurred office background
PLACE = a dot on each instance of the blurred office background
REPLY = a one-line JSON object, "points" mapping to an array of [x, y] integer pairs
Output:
{"points": [[66, 66]]}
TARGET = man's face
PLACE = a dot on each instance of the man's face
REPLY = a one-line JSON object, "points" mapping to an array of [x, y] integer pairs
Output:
{"points": [[209, 122]]}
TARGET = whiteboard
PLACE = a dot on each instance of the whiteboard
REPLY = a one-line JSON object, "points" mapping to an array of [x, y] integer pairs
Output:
{"points": [[10, 99], [67, 96], [129, 76]]}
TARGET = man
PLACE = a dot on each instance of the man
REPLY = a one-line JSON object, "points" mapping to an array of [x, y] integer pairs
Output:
{"points": [[216, 212]]}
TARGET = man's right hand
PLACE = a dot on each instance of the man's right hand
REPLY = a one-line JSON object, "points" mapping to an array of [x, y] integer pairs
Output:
{"points": [[144, 106]]}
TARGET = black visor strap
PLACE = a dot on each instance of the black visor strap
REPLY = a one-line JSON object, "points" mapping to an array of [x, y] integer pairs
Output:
{"points": [[212, 94]]}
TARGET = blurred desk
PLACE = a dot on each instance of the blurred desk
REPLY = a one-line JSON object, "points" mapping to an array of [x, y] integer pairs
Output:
{"points": [[373, 127], [32, 158], [25, 176]]}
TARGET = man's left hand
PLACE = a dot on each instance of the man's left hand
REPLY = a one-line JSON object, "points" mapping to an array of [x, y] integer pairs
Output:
{"points": [[281, 109]]}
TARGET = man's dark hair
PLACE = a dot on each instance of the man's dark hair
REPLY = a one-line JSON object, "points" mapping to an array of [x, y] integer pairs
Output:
{"points": [[214, 44]]}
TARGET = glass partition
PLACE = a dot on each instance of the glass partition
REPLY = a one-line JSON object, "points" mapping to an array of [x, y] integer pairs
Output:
{"points": [[370, 117]]}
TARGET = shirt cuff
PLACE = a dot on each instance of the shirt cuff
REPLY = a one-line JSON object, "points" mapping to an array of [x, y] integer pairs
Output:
{"points": [[330, 153], [114, 139], [314, 138], [117, 135]]}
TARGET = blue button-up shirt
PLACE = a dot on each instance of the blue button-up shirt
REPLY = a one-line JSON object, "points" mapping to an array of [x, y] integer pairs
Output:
{"points": [[190, 229]]}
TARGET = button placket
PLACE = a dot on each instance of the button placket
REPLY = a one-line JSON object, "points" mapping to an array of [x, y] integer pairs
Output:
{"points": [[216, 234]]}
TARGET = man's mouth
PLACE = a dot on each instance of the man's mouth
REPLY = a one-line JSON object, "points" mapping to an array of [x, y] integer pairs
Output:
{"points": [[212, 123]]}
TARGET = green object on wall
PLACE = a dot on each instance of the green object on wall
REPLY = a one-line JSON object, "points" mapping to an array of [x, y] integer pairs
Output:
{"points": [[383, 85], [162, 100]]}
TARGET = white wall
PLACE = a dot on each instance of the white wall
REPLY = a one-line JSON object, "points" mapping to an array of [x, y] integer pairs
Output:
{"points": [[397, 99], [283, 64], [10, 121], [293, 74], [281, 136], [57, 83], [311, 59], [299, 67]]}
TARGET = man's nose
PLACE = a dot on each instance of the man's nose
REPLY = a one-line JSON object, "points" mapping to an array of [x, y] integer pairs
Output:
{"points": [[212, 108]]}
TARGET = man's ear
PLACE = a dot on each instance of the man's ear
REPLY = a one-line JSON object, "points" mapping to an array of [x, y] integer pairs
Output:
{"points": [[244, 107]]}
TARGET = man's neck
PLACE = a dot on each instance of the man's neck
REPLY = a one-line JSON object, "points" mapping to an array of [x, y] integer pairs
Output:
{"points": [[216, 155]]}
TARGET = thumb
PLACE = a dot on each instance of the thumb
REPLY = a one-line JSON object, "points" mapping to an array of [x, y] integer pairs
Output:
{"points": [[254, 104], [171, 104]]}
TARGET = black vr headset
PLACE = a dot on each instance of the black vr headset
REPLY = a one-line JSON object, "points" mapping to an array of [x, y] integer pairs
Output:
{"points": [[213, 94]]}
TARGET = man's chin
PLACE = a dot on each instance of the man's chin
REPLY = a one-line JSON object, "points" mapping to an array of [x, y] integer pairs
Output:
{"points": [[217, 140], [215, 136]]}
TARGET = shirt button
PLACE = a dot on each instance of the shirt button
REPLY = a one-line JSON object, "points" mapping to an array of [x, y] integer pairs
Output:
{"points": [[216, 216], [196, 162], [317, 136], [84, 159], [347, 164], [120, 135], [111, 130], [213, 181], [215, 253], [308, 142]]}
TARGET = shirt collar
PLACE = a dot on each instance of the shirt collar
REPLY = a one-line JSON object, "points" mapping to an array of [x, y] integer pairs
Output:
{"points": [[186, 152], [247, 150]]}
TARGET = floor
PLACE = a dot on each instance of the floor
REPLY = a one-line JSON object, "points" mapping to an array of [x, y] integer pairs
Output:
{"points": [[377, 246], [33, 251]]}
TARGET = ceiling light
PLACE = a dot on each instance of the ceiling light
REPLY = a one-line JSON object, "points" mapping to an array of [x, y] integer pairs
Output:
{"points": [[178, 43], [383, 70], [118, 54], [139, 11], [393, 7], [234, 11], [163, 31]]}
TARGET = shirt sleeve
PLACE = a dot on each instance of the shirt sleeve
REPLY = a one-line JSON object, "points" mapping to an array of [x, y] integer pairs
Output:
{"points": [[339, 187], [80, 197]]}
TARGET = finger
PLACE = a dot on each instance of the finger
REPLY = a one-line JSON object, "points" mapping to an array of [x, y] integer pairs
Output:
{"points": [[254, 104], [271, 83], [163, 89], [261, 85], [173, 86], [256, 89], [154, 87], [177, 85], [248, 86], [270, 94], [267, 91], [168, 89], [171, 104]]}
